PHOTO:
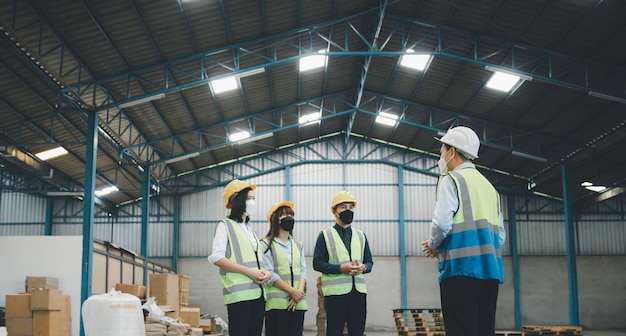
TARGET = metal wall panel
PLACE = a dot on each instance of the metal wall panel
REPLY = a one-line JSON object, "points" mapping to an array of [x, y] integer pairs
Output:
{"points": [[602, 235], [16, 207]]}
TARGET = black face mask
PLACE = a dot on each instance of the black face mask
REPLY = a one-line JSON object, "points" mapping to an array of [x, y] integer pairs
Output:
{"points": [[346, 216], [287, 223]]}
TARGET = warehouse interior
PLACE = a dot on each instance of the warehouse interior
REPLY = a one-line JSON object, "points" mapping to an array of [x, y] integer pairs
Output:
{"points": [[152, 107]]}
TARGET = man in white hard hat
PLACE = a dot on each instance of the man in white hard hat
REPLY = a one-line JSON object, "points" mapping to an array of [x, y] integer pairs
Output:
{"points": [[342, 254], [466, 234]]}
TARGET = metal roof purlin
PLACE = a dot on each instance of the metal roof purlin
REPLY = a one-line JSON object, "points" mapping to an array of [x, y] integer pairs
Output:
{"points": [[521, 56]]}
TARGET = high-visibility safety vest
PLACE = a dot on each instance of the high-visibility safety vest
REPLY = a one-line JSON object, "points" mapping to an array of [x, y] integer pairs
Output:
{"points": [[238, 287], [339, 284], [472, 247], [276, 297]]}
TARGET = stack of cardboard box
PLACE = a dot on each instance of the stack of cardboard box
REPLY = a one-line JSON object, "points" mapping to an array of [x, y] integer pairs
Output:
{"points": [[164, 289], [41, 311]]}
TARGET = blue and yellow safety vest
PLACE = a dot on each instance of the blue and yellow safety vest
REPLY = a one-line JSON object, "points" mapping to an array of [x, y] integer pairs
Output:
{"points": [[472, 247]]}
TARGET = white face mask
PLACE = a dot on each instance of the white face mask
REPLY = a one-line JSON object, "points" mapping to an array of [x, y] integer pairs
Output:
{"points": [[443, 165], [250, 207]]}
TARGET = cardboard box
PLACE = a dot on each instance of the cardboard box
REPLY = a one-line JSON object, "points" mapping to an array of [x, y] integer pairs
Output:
{"points": [[46, 299], [136, 290], [190, 316], [37, 282], [164, 288], [51, 323], [18, 307], [20, 327]]}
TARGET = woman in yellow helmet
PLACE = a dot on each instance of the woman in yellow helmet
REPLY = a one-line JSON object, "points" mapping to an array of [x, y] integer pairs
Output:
{"points": [[239, 255], [284, 258]]}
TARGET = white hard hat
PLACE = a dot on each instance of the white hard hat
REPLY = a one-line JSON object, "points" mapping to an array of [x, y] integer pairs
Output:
{"points": [[463, 139]]}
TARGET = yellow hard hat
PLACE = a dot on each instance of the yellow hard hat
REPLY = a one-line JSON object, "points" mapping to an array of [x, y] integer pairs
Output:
{"points": [[342, 197], [234, 187], [275, 207]]}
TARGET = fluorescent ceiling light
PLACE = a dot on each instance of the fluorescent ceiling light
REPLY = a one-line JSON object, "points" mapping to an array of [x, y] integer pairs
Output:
{"points": [[387, 118], [607, 97], [313, 61], [255, 138], [106, 191], [251, 72], [239, 136], [596, 188], [225, 84], [182, 157], [417, 62], [586, 184], [51, 153], [529, 156], [309, 119], [141, 100], [65, 193]]}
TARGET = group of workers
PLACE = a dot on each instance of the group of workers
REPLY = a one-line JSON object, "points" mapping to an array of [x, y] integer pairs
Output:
{"points": [[264, 279]]}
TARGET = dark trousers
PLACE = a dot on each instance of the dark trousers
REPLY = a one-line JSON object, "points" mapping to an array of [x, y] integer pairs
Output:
{"points": [[282, 322], [245, 318], [350, 308], [469, 306]]}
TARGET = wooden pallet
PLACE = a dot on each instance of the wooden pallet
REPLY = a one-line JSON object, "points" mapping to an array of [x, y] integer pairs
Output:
{"points": [[421, 333], [552, 330], [419, 322], [509, 333]]}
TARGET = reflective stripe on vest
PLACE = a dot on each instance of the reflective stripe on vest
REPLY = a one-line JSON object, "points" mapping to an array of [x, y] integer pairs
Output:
{"points": [[276, 297], [472, 247], [339, 284], [237, 287]]}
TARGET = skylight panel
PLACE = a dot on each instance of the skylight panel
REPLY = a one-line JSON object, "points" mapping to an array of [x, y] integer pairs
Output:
{"points": [[417, 62], [503, 81], [387, 119], [225, 84], [51, 153], [313, 61]]}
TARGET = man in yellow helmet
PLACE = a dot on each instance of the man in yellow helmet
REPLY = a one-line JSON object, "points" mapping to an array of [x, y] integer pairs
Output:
{"points": [[239, 255], [342, 255], [466, 234]]}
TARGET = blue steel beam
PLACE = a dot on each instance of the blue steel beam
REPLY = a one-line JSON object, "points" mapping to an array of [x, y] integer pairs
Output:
{"points": [[48, 136], [54, 57], [322, 150], [422, 117], [450, 42]]}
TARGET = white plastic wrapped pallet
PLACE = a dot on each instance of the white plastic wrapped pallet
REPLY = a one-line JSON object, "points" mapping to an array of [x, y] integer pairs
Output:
{"points": [[113, 314]]}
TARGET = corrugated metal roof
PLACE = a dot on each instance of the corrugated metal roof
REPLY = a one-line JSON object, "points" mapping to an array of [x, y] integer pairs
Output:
{"points": [[66, 56]]}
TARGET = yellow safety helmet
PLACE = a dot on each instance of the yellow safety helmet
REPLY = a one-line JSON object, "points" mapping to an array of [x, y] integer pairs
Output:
{"points": [[275, 207], [233, 188], [342, 197]]}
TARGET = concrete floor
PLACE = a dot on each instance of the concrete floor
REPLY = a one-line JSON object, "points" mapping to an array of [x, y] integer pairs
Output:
{"points": [[585, 333]]}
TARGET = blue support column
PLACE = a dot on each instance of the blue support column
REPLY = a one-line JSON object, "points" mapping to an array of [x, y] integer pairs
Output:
{"points": [[515, 259], [88, 208], [401, 223], [288, 183], [571, 250], [176, 232], [145, 218], [48, 225]]}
